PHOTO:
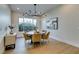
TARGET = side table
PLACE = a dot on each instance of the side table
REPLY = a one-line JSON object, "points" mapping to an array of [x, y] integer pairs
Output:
{"points": [[9, 41]]}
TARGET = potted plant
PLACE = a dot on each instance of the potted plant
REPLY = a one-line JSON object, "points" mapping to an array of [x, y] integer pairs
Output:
{"points": [[11, 29]]}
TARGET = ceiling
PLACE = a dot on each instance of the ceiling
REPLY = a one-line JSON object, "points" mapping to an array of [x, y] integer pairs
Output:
{"points": [[40, 8]]}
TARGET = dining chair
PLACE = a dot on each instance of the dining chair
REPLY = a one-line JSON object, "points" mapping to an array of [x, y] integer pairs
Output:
{"points": [[36, 37], [26, 36], [45, 36]]}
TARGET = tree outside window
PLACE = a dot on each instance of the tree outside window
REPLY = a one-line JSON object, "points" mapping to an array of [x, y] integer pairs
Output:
{"points": [[27, 24]]}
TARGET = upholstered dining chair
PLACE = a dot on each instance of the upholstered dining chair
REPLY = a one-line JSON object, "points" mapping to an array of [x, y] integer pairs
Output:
{"points": [[45, 36], [26, 36], [36, 38]]}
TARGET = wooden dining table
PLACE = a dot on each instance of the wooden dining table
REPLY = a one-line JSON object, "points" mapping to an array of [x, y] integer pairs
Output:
{"points": [[30, 32], [33, 32]]}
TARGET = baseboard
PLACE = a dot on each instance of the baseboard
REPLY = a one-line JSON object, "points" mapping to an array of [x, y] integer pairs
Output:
{"points": [[2, 51], [58, 39]]}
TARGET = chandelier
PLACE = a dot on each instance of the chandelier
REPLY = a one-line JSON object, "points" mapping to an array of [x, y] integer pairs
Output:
{"points": [[31, 13]]}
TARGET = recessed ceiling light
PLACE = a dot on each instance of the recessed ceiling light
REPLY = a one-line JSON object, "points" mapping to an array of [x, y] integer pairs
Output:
{"points": [[17, 8]]}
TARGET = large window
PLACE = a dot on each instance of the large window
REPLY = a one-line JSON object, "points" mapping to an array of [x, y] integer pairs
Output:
{"points": [[27, 24]]}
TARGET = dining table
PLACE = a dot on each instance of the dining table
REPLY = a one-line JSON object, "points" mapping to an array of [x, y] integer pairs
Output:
{"points": [[33, 32]]}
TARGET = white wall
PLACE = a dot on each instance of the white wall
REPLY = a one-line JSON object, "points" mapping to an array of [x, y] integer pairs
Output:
{"points": [[15, 22], [68, 17], [5, 21], [5, 18]]}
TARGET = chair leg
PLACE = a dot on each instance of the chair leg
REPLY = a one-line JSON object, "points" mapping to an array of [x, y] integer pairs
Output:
{"points": [[40, 43], [26, 44], [47, 41], [43, 40], [33, 44]]}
